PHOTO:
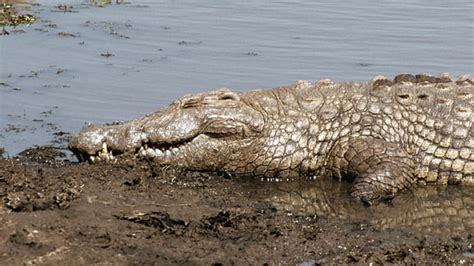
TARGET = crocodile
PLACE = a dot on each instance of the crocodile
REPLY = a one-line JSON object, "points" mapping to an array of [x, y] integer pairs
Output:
{"points": [[384, 135]]}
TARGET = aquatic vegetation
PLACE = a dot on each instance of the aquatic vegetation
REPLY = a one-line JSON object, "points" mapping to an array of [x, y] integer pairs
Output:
{"points": [[103, 3], [10, 16]]}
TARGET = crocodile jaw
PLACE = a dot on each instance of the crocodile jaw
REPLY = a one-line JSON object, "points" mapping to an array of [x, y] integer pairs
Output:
{"points": [[163, 153], [196, 125]]}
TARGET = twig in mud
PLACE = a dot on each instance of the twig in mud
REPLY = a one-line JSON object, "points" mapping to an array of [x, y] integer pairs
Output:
{"points": [[174, 205]]}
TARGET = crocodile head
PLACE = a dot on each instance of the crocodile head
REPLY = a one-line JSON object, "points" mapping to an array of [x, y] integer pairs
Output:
{"points": [[197, 132]]}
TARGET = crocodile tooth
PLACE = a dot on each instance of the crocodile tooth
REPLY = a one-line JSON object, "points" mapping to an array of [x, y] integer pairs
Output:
{"points": [[142, 152], [104, 148], [167, 153], [174, 150], [92, 158], [150, 152], [158, 152]]}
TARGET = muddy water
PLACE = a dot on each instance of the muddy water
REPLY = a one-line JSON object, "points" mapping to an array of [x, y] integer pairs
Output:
{"points": [[445, 211], [84, 63]]}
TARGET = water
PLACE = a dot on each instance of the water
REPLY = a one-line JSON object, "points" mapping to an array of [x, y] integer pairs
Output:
{"points": [[432, 209], [164, 49]]}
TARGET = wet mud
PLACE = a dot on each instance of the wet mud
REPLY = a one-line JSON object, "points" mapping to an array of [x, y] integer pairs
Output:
{"points": [[134, 212]]}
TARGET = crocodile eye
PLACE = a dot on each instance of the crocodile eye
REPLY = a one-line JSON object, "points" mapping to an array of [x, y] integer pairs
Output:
{"points": [[229, 96]]}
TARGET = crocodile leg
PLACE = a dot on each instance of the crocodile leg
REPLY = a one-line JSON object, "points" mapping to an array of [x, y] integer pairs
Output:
{"points": [[380, 169]]}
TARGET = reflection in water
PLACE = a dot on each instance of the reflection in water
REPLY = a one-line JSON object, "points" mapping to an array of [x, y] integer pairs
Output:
{"points": [[428, 209]]}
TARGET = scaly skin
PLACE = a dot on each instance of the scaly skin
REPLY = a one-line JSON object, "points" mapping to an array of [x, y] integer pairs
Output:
{"points": [[385, 135]]}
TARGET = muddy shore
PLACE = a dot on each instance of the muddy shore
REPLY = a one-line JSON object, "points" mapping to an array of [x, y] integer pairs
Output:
{"points": [[135, 212]]}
